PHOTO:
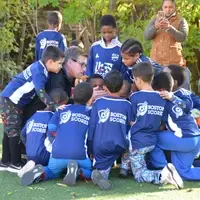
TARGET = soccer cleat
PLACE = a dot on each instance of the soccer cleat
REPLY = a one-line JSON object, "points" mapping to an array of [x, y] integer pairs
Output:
{"points": [[32, 176], [15, 168], [171, 176], [29, 166], [98, 179], [123, 173], [72, 172], [4, 166]]}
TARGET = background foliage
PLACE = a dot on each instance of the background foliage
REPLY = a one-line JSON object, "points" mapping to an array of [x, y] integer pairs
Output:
{"points": [[19, 26]]}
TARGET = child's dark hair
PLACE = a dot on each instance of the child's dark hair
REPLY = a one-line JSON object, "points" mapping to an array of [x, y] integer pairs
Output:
{"points": [[143, 70], [178, 73], [74, 43], [131, 47], [126, 89], [94, 76], [52, 53], [163, 81], [113, 81], [82, 93], [59, 95], [54, 18], [108, 20]]}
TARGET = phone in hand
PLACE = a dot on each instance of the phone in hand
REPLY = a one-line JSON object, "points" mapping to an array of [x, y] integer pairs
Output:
{"points": [[161, 15]]}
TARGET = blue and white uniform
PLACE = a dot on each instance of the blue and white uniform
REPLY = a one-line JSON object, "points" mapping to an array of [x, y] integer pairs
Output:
{"points": [[102, 59], [71, 127], [148, 108], [35, 135], [183, 140], [49, 38], [109, 126], [23, 87]]}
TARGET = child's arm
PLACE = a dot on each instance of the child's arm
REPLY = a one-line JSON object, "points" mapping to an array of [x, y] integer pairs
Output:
{"points": [[185, 102], [90, 63], [39, 81], [63, 44]]}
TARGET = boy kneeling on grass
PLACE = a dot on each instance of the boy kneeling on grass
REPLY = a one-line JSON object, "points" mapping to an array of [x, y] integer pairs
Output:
{"points": [[69, 148]]}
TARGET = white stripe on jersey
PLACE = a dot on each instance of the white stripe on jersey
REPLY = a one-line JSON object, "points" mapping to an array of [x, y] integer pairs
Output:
{"points": [[177, 131], [24, 89], [85, 144]]}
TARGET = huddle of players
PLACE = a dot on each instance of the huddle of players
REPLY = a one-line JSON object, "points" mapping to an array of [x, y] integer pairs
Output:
{"points": [[76, 134]]}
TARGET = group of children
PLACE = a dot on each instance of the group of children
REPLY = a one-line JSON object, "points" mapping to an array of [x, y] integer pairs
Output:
{"points": [[84, 139]]}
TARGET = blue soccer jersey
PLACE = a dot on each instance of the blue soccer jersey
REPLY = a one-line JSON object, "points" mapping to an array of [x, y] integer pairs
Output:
{"points": [[49, 38], [102, 59], [147, 108], [23, 87], [180, 122], [71, 127], [35, 133], [109, 125]]}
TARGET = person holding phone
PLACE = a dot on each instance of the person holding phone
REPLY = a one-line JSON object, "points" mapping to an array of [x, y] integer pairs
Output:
{"points": [[167, 31]]}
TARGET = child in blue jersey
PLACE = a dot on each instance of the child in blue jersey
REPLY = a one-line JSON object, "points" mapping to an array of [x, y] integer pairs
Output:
{"points": [[69, 149], [35, 135], [132, 53], [105, 54], [182, 137], [148, 108], [51, 36], [179, 75], [109, 124], [18, 93]]}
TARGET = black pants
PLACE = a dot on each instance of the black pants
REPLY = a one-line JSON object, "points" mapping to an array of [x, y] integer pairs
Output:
{"points": [[12, 117], [11, 150]]}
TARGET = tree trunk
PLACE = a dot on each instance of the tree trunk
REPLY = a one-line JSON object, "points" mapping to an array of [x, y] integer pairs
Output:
{"points": [[112, 5]]}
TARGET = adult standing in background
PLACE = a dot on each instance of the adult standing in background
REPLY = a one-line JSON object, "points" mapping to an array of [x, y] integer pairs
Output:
{"points": [[167, 31]]}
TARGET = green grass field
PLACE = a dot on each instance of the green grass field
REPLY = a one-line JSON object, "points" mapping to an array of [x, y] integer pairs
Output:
{"points": [[10, 189]]}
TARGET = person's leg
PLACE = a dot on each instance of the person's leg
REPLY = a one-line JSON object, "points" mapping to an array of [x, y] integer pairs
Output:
{"points": [[6, 157], [54, 168], [13, 121], [157, 158], [183, 163], [183, 152], [139, 167], [85, 167]]}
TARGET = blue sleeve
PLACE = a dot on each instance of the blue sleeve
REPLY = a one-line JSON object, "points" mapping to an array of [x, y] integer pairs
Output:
{"points": [[129, 116], [53, 122], [196, 101], [127, 75], [185, 102], [37, 49], [63, 43], [134, 107], [90, 63], [92, 128]]}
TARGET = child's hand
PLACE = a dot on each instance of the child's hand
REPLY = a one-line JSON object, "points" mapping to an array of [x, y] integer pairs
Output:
{"points": [[166, 95], [62, 107], [98, 93]]}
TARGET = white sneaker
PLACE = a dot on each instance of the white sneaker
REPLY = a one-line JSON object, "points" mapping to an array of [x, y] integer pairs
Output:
{"points": [[171, 176], [29, 166]]}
